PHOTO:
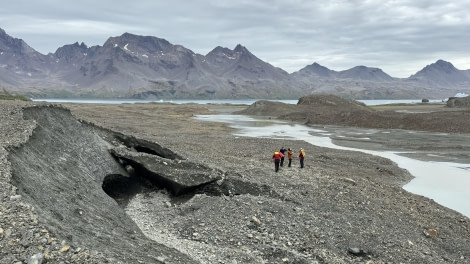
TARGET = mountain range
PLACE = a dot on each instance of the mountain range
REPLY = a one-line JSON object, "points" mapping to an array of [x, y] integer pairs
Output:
{"points": [[146, 67]]}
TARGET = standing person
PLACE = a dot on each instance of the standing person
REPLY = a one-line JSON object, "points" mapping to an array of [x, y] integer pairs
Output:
{"points": [[301, 157], [283, 151], [277, 160], [289, 156]]}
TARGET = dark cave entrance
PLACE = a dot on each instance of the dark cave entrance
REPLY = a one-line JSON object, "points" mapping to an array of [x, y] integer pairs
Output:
{"points": [[122, 188]]}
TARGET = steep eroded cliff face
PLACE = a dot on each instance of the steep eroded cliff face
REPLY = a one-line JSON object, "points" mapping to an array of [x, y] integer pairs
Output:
{"points": [[60, 171]]}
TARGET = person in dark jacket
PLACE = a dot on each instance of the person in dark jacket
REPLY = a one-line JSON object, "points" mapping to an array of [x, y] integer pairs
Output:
{"points": [[283, 151], [301, 157]]}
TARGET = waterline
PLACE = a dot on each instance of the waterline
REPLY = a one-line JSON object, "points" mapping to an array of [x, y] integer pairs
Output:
{"points": [[136, 101], [215, 101], [445, 182]]}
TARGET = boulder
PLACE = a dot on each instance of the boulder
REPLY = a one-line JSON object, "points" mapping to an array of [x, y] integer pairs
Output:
{"points": [[177, 176]]}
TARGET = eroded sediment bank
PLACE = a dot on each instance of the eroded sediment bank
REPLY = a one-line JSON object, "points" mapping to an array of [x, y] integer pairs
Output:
{"points": [[60, 171]]}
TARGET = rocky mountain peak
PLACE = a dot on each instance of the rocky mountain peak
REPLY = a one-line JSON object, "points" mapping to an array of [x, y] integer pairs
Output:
{"points": [[2, 33], [441, 65], [218, 50], [243, 53], [239, 54], [365, 73], [315, 66], [13, 45], [444, 63], [221, 53], [137, 43], [441, 72], [71, 51], [317, 70], [240, 48]]}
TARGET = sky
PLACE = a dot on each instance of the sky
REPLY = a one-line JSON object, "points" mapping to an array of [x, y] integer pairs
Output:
{"points": [[400, 37]]}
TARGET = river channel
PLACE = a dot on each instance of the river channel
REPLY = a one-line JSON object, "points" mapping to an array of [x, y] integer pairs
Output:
{"points": [[440, 162]]}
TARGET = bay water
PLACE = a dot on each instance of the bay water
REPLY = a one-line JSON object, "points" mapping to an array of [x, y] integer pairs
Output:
{"points": [[219, 101]]}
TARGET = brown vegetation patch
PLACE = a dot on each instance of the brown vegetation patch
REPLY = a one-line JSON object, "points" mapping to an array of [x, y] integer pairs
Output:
{"points": [[459, 102], [333, 110]]}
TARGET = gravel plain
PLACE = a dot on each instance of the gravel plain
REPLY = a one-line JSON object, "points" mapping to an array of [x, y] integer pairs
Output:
{"points": [[343, 207]]}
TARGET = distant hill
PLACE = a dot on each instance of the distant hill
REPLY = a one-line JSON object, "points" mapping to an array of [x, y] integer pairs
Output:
{"points": [[365, 73], [147, 67], [442, 72], [315, 70], [439, 81]]}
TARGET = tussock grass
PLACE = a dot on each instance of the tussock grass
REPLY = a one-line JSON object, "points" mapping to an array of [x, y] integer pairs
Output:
{"points": [[14, 97]]}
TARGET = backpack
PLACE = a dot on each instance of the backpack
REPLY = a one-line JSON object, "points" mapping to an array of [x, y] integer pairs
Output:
{"points": [[303, 153]]}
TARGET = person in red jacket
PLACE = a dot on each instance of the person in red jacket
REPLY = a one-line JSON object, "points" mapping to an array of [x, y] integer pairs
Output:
{"points": [[277, 159]]}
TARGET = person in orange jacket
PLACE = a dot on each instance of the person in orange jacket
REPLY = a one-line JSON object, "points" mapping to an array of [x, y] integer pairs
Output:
{"points": [[289, 156], [277, 159]]}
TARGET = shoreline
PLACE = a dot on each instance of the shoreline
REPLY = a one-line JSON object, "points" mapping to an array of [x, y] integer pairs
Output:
{"points": [[427, 174]]}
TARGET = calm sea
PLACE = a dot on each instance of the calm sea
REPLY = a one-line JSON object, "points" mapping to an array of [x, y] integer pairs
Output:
{"points": [[235, 102]]}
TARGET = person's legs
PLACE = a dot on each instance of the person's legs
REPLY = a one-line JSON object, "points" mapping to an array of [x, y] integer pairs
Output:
{"points": [[301, 162], [290, 162], [282, 161], [276, 165]]}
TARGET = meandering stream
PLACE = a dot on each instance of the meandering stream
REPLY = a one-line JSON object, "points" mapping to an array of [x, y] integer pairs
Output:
{"points": [[439, 162]]}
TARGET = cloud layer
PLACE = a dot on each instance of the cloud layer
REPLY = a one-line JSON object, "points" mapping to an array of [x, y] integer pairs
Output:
{"points": [[398, 36]]}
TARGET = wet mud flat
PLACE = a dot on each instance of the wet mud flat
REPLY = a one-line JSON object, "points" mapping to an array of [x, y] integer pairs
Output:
{"points": [[344, 207], [422, 145]]}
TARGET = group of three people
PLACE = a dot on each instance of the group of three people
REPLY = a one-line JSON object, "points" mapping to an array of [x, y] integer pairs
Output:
{"points": [[279, 155]]}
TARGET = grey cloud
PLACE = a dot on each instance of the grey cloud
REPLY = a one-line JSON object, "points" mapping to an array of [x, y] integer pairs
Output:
{"points": [[400, 37]]}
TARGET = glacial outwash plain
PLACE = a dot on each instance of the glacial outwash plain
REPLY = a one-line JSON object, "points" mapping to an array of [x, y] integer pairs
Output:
{"points": [[150, 183]]}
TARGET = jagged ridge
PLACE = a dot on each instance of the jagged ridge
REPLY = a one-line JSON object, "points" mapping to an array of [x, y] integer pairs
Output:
{"points": [[133, 66]]}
